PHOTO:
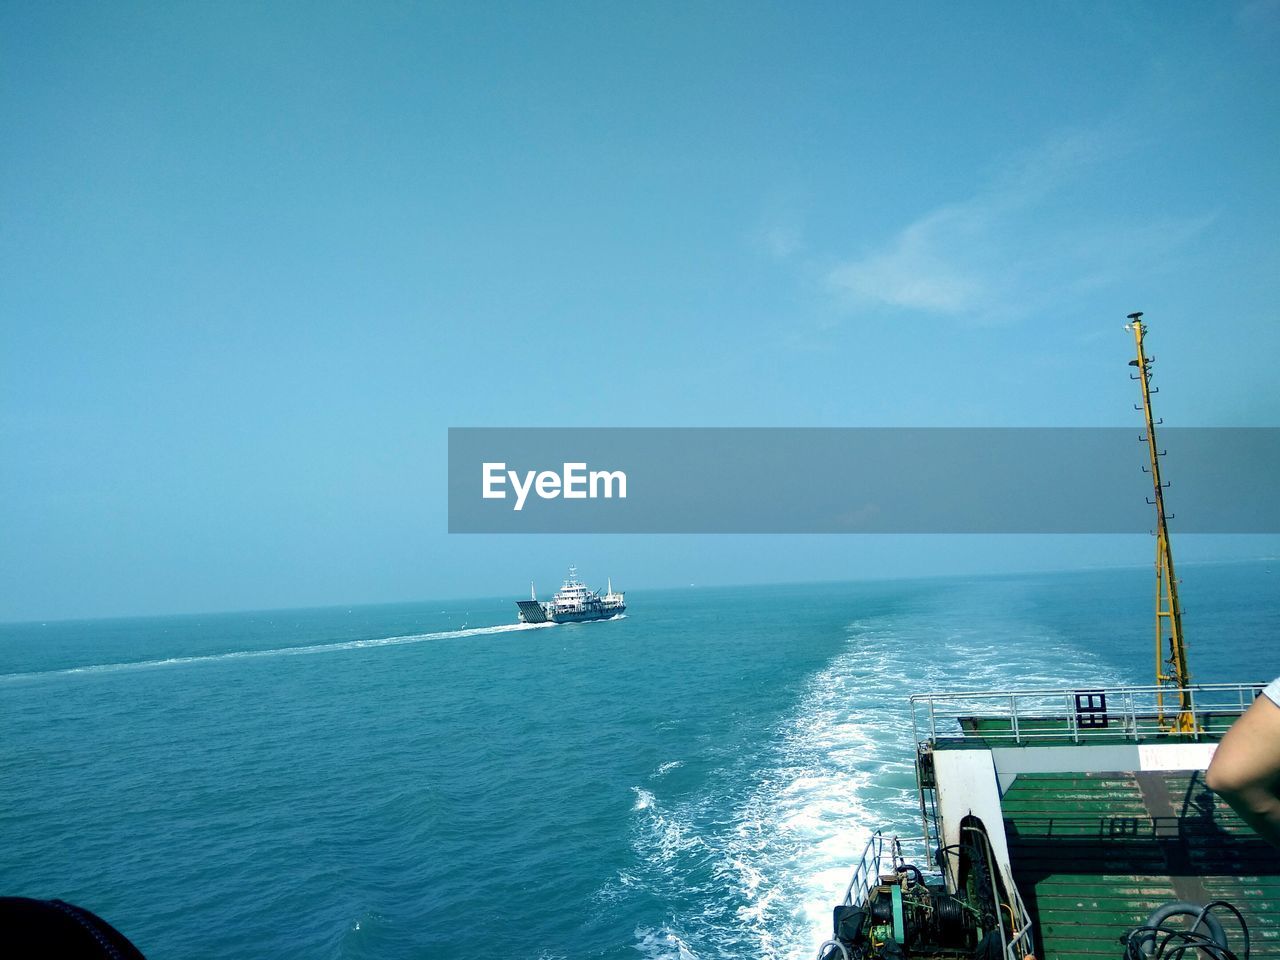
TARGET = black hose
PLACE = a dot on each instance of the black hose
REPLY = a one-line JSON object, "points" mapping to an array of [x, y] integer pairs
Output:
{"points": [[1153, 941], [916, 873], [1244, 927]]}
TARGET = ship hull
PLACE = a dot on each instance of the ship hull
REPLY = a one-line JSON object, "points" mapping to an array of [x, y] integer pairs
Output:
{"points": [[531, 611], [582, 616]]}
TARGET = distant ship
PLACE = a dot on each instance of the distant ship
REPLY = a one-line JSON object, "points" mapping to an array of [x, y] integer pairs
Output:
{"points": [[572, 603]]}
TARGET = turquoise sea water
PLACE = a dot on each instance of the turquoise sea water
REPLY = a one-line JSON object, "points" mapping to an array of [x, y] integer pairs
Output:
{"points": [[429, 780]]}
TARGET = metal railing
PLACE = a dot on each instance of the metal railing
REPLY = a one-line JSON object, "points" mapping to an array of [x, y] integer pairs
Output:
{"points": [[1077, 716], [882, 857]]}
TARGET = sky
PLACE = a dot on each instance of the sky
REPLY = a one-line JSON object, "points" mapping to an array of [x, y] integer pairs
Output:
{"points": [[256, 259]]}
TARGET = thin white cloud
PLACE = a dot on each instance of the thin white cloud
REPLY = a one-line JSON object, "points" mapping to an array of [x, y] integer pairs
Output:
{"points": [[999, 254], [916, 271], [779, 234], [1129, 248]]}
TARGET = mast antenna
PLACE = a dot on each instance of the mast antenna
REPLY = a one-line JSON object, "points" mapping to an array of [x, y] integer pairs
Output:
{"points": [[1172, 673]]}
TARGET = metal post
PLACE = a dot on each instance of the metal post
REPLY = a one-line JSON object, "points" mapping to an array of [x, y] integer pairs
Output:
{"points": [[1168, 609]]}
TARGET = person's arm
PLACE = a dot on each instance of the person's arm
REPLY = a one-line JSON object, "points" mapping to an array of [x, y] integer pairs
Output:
{"points": [[1246, 768]]}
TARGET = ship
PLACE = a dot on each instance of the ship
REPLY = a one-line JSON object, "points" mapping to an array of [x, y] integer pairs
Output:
{"points": [[572, 603], [1072, 824]]}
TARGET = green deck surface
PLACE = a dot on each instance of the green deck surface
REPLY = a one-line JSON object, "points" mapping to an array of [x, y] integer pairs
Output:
{"points": [[1093, 854]]}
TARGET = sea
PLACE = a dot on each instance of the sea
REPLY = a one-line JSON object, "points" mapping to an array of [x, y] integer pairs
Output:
{"points": [[433, 780]]}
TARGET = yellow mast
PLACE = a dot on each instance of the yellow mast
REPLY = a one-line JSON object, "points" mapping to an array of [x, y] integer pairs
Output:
{"points": [[1172, 672]]}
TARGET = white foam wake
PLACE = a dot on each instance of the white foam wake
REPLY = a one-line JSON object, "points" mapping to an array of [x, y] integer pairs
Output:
{"points": [[662, 944], [275, 652], [768, 864], [844, 768]]}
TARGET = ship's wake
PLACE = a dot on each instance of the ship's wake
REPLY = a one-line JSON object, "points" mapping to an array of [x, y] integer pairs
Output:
{"points": [[766, 850], [308, 649]]}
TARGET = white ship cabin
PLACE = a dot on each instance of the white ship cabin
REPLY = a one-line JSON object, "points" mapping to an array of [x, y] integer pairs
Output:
{"points": [[573, 595]]}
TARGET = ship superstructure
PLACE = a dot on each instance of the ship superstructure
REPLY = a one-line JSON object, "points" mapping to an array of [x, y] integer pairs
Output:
{"points": [[1073, 824], [574, 602]]}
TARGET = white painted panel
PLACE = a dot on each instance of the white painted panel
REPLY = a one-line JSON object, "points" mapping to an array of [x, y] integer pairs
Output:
{"points": [[1100, 758], [1011, 761], [967, 785], [1175, 756]]}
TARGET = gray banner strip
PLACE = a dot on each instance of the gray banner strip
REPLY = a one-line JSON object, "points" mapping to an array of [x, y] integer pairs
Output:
{"points": [[857, 480]]}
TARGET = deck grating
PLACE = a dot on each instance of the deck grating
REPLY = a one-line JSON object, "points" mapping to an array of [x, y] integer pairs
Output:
{"points": [[1092, 860]]}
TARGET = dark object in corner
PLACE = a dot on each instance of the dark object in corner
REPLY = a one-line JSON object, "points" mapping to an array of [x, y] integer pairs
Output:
{"points": [[848, 924], [31, 929]]}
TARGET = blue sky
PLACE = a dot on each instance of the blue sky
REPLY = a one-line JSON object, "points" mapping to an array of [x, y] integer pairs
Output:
{"points": [[256, 259]]}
